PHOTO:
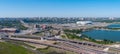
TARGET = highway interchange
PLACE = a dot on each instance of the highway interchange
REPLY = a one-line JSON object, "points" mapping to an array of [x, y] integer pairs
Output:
{"points": [[78, 47]]}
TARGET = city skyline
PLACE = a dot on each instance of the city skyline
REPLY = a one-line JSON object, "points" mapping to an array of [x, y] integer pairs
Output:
{"points": [[59, 8]]}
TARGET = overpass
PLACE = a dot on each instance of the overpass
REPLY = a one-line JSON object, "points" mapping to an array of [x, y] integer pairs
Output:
{"points": [[75, 44], [85, 43], [76, 50], [80, 49]]}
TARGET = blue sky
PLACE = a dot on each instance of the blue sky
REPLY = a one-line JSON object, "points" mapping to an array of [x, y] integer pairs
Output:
{"points": [[60, 8]]}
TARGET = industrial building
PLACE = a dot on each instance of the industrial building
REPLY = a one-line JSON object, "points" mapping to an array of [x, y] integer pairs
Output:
{"points": [[3, 35], [9, 30]]}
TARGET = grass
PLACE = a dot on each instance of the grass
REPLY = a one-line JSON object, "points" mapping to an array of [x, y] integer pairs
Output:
{"points": [[51, 50], [86, 38], [8, 48], [39, 34], [71, 34], [20, 43]]}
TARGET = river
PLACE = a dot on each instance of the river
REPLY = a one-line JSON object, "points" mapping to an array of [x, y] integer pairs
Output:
{"points": [[113, 35]]}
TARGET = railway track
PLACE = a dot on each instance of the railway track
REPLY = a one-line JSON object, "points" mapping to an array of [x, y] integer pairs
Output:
{"points": [[76, 44], [51, 45]]}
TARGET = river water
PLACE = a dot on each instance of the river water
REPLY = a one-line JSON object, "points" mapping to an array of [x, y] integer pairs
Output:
{"points": [[114, 26], [105, 34]]}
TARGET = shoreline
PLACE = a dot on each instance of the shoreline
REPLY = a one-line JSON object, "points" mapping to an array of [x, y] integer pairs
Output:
{"points": [[97, 39], [107, 29]]}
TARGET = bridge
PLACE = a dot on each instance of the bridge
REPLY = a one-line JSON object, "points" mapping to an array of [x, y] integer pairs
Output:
{"points": [[79, 51], [75, 46], [84, 43]]}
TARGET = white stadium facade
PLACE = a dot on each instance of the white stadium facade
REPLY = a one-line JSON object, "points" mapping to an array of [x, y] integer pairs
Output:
{"points": [[82, 23]]}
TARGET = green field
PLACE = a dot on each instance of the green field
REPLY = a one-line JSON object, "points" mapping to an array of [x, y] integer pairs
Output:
{"points": [[51, 50], [8, 48]]}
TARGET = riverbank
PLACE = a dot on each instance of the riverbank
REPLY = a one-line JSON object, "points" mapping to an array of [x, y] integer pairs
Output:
{"points": [[104, 34], [73, 35]]}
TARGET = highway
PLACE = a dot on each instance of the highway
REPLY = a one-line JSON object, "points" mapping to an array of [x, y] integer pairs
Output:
{"points": [[51, 45], [73, 46], [83, 43], [80, 45]]}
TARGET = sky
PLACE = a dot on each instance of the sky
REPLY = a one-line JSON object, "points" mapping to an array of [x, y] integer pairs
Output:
{"points": [[59, 8]]}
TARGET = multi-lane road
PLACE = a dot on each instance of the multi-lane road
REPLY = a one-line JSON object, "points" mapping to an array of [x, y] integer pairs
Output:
{"points": [[46, 44], [74, 46]]}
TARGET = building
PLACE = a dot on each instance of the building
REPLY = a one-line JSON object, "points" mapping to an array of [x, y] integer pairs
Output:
{"points": [[3, 35], [9, 30], [82, 23], [43, 26]]}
